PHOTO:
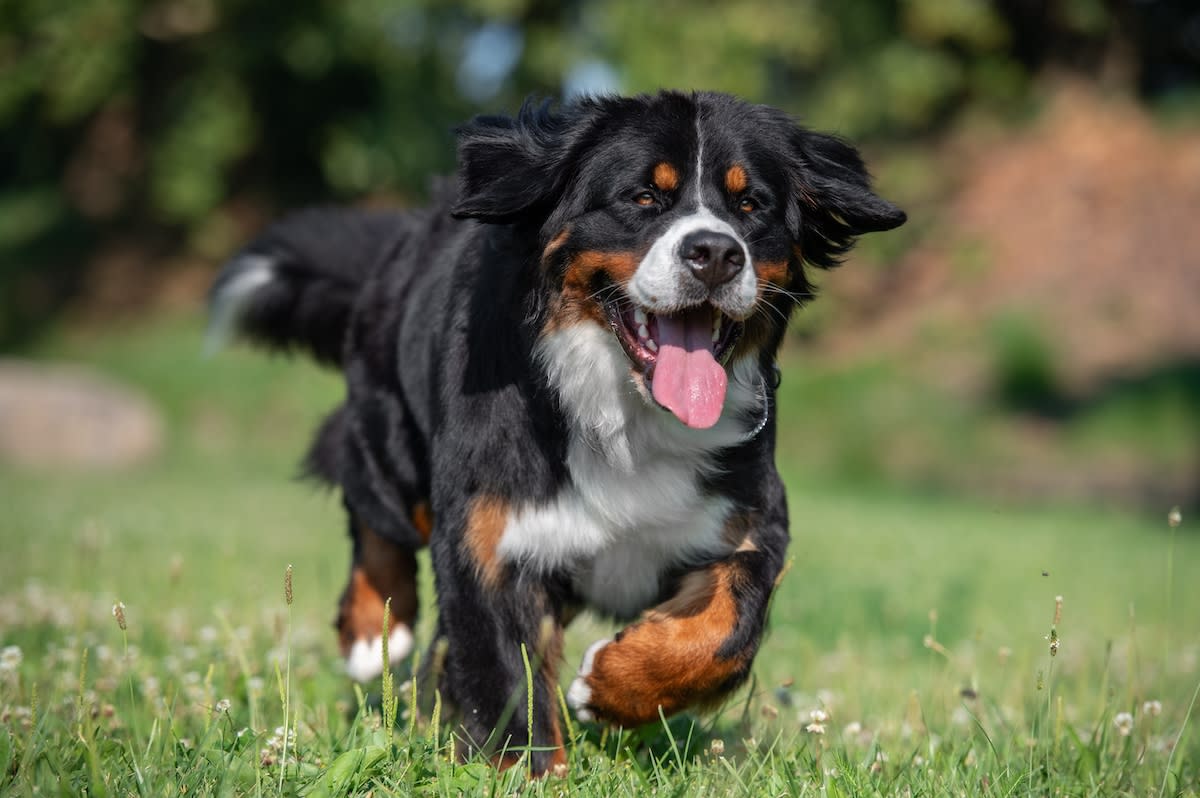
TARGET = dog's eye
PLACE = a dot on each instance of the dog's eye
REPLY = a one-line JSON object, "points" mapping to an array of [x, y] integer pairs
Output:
{"points": [[747, 206], [645, 199]]}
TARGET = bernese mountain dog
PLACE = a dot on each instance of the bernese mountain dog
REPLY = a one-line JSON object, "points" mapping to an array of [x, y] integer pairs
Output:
{"points": [[561, 377]]}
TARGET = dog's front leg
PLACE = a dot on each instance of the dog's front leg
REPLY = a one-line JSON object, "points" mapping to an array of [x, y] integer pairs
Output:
{"points": [[691, 650], [487, 613]]}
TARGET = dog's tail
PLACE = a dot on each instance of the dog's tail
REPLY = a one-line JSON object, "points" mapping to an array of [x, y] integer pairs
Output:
{"points": [[295, 286]]}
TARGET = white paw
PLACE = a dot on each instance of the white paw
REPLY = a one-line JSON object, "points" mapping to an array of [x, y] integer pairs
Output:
{"points": [[579, 695], [365, 660]]}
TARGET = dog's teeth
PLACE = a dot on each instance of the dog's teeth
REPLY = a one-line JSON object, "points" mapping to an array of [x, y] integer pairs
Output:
{"points": [[717, 328], [639, 317], [643, 332], [653, 347]]}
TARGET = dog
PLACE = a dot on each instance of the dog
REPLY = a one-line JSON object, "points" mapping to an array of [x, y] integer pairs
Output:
{"points": [[561, 377]]}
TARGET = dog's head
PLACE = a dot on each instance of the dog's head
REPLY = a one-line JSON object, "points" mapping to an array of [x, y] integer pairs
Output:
{"points": [[679, 222]]}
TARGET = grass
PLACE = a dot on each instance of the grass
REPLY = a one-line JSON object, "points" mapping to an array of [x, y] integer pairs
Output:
{"points": [[909, 650]]}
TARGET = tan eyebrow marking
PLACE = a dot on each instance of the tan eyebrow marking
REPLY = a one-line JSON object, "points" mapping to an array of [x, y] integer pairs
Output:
{"points": [[666, 177], [736, 179]]}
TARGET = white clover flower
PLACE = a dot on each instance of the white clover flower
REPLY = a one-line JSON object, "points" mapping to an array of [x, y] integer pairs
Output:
{"points": [[852, 729], [818, 716], [1124, 723], [716, 747], [1152, 708], [815, 728], [223, 705], [277, 741], [10, 658]]}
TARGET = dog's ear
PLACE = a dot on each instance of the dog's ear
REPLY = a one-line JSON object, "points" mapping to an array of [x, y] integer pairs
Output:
{"points": [[832, 202], [509, 167]]}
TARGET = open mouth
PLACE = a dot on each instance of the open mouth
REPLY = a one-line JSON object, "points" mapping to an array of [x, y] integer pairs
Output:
{"points": [[681, 355]]}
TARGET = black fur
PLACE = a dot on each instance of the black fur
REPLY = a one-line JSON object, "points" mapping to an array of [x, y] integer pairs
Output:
{"points": [[435, 316]]}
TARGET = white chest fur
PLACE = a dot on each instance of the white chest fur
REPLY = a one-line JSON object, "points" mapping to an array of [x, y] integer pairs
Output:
{"points": [[633, 506]]}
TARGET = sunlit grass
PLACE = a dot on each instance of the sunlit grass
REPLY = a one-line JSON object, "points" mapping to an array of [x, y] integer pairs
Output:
{"points": [[909, 649]]}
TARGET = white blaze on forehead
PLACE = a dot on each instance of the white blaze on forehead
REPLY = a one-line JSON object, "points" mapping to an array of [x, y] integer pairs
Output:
{"points": [[663, 282]]}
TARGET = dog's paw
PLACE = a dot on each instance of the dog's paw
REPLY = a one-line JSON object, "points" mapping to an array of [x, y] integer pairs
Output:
{"points": [[579, 694], [365, 660]]}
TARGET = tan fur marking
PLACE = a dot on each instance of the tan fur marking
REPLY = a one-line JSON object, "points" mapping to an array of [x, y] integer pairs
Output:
{"points": [[556, 243], [666, 177], [669, 658], [383, 570], [422, 519], [485, 526], [577, 302], [773, 271], [360, 613], [619, 266], [736, 179], [503, 762]]}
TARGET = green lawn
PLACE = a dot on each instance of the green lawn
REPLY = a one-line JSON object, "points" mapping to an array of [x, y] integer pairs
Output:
{"points": [[917, 625]]}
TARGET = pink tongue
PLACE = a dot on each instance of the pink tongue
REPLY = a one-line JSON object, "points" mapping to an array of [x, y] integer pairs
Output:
{"points": [[688, 380]]}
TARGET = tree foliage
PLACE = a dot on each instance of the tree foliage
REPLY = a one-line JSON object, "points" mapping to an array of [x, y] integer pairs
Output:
{"points": [[162, 120]]}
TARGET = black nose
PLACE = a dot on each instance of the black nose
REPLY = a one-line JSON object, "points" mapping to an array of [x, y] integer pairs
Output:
{"points": [[714, 258]]}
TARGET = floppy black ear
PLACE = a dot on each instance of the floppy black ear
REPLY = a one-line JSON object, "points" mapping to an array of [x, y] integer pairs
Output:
{"points": [[508, 167], [834, 202]]}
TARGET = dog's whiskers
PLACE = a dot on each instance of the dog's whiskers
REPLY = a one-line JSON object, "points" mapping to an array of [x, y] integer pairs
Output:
{"points": [[599, 296], [798, 297], [763, 307]]}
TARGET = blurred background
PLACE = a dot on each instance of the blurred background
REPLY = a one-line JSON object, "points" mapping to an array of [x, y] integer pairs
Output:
{"points": [[1030, 336]]}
